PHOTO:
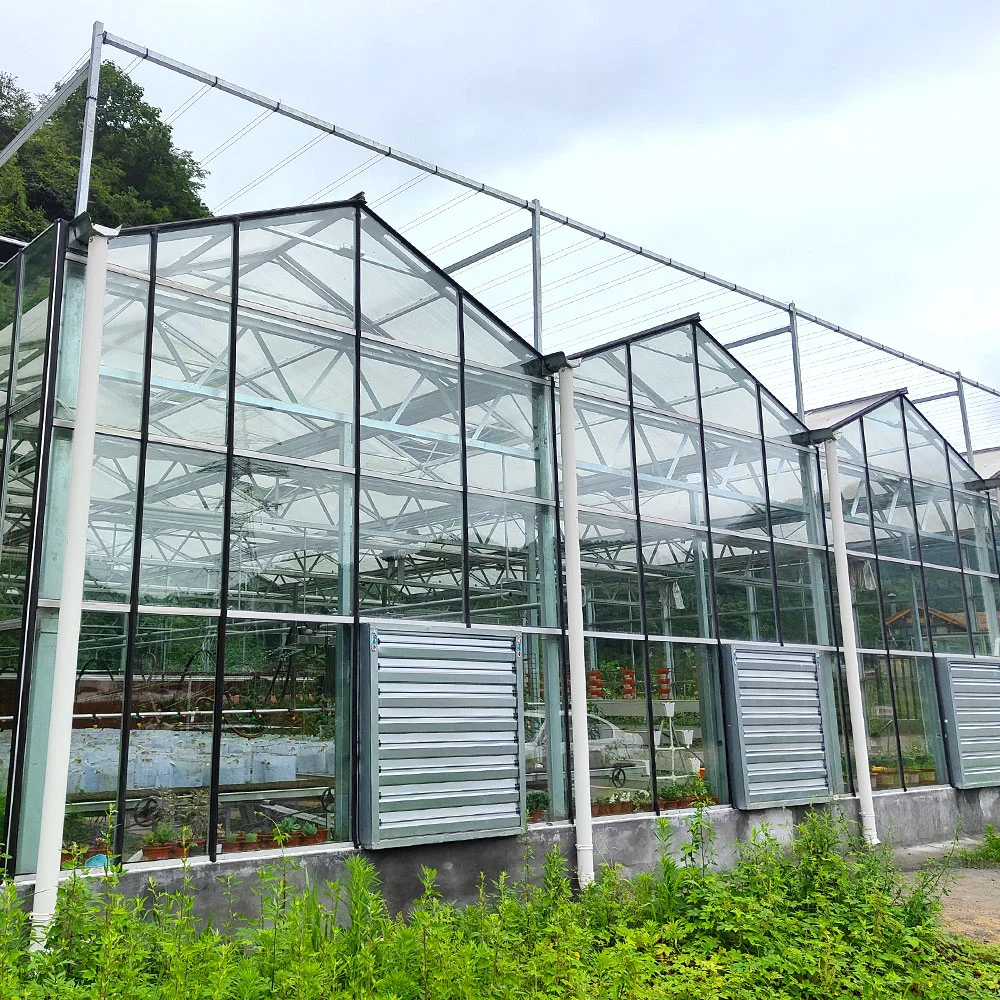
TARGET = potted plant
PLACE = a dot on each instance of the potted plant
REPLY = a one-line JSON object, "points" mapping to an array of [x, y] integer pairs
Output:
{"points": [[601, 806], [536, 804], [233, 843], [160, 843], [288, 833], [642, 801], [250, 842], [621, 803]]}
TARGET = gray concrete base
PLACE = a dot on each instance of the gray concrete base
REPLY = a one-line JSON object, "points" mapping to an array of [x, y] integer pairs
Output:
{"points": [[905, 819]]}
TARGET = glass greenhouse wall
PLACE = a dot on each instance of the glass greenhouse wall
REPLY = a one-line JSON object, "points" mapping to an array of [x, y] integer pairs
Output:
{"points": [[306, 430]]}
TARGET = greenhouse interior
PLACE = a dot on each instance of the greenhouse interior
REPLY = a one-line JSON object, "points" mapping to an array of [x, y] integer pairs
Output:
{"points": [[325, 589]]}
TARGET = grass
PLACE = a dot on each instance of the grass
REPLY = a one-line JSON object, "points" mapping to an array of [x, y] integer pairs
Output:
{"points": [[822, 918], [984, 855]]}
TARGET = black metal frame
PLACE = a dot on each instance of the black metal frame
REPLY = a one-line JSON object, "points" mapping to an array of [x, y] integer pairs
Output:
{"points": [[133, 613], [640, 561], [881, 603], [37, 531]]}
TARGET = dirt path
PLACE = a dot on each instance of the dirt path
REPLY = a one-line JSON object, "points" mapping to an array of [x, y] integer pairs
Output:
{"points": [[972, 906]]}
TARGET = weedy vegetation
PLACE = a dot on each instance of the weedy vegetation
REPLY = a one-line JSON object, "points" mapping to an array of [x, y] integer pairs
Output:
{"points": [[824, 917]]}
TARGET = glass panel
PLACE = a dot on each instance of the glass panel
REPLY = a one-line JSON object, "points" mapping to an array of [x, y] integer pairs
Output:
{"points": [[735, 484], [189, 377], [605, 373], [978, 552], [802, 595], [793, 483], [181, 551], [617, 727], [295, 389], [21, 457], [545, 755], [610, 574], [892, 510], [410, 415], [904, 605], [292, 547], [743, 588], [883, 758], [92, 789], [196, 257], [512, 567], [111, 526], [884, 438], [411, 551], [675, 570], [919, 721], [779, 424], [927, 451], [849, 447], [728, 392], [856, 507], [508, 434], [603, 456], [402, 298], [119, 391], [8, 286], [865, 600], [10, 641], [302, 264], [687, 723], [984, 602], [936, 524], [278, 760], [946, 611], [170, 743], [668, 454], [488, 342], [663, 372]]}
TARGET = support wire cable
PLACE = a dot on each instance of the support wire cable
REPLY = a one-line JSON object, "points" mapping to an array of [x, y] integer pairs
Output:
{"points": [[271, 171], [187, 105], [236, 136], [321, 193], [400, 188], [472, 230], [433, 213]]}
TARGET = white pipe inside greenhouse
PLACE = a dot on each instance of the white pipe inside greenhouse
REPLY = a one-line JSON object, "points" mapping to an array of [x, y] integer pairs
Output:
{"points": [[574, 629], [60, 731], [859, 730]]}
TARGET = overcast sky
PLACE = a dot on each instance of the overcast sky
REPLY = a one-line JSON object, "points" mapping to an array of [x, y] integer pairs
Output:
{"points": [[842, 155]]}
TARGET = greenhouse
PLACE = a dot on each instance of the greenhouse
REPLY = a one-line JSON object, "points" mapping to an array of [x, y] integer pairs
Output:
{"points": [[324, 589], [304, 547]]}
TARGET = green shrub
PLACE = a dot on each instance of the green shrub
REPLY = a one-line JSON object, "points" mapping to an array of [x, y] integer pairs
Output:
{"points": [[984, 855], [823, 918]]}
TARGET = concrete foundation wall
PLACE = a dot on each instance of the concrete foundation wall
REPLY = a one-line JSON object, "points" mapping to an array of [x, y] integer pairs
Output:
{"points": [[905, 819]]}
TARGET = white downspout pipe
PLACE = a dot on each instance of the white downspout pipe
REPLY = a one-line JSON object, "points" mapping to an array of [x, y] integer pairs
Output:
{"points": [[574, 625], [71, 590], [859, 729]]}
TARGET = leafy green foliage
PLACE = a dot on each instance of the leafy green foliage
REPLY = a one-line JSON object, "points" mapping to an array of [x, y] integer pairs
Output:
{"points": [[819, 919], [984, 855], [138, 176]]}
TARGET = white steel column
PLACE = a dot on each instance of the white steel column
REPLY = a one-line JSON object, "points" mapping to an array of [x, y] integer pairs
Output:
{"points": [[71, 591], [89, 119], [859, 729], [574, 626]]}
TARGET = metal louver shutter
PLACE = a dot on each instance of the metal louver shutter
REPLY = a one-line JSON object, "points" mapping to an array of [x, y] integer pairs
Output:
{"points": [[779, 724], [970, 708], [442, 736]]}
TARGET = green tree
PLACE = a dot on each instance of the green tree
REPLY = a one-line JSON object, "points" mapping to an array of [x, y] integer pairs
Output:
{"points": [[138, 175]]}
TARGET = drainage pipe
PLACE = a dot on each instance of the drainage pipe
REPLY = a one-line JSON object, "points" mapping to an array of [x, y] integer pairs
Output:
{"points": [[574, 627], [71, 590], [859, 731]]}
